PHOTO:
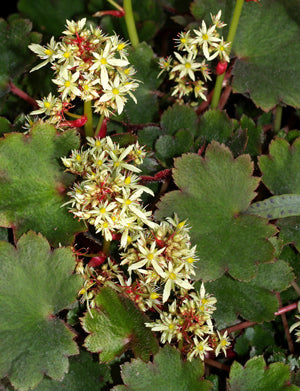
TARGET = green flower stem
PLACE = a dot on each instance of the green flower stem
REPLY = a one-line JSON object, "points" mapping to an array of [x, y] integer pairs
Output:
{"points": [[130, 24], [106, 247], [99, 124], [88, 127], [277, 119], [230, 38], [114, 4], [72, 115]]}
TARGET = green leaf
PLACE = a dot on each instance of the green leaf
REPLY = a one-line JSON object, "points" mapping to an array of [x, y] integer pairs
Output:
{"points": [[252, 300], [213, 193], [84, 374], [33, 183], [146, 109], [290, 230], [280, 168], [115, 326], [259, 338], [179, 117], [256, 376], [5, 126], [168, 147], [167, 372], [50, 16], [267, 54], [148, 135], [276, 207], [255, 135], [15, 58], [215, 125], [35, 285]]}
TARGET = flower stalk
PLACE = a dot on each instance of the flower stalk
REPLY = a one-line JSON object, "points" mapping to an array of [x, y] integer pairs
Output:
{"points": [[230, 38], [88, 127], [130, 23]]}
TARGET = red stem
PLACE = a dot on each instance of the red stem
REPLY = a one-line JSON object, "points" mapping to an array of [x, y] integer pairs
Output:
{"points": [[21, 94], [244, 325], [286, 327]]}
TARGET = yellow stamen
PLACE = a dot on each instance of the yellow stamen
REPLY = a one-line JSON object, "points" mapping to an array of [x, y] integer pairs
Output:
{"points": [[127, 180], [102, 210], [48, 52], [67, 83], [115, 91], [188, 65], [154, 296], [103, 61], [150, 256], [47, 105], [127, 202], [67, 54], [172, 276]]}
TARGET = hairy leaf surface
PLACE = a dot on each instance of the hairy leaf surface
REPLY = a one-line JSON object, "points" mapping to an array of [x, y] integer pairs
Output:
{"points": [[35, 285], [115, 326], [167, 372], [33, 183], [213, 193]]}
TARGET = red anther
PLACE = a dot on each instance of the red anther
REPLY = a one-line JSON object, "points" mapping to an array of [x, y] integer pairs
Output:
{"points": [[255, 1], [221, 67], [97, 261], [77, 123]]}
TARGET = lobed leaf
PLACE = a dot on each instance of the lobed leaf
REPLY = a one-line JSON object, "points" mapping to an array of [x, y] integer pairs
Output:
{"points": [[280, 168], [266, 55], [213, 194], [256, 376], [50, 16], [167, 372], [33, 183], [35, 285], [146, 109], [254, 300], [115, 326], [15, 59], [84, 374]]}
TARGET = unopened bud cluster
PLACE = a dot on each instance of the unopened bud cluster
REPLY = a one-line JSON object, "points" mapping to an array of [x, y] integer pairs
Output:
{"points": [[190, 70], [87, 64], [157, 260]]}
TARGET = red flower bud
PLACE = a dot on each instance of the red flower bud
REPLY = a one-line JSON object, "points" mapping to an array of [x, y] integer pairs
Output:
{"points": [[97, 261], [221, 67]]}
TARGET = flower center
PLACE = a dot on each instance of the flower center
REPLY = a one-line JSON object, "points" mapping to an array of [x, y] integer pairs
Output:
{"points": [[150, 256], [120, 46], [172, 276], [183, 40], [127, 202], [115, 91], [105, 225], [127, 180], [188, 65], [48, 52], [102, 210], [190, 260], [67, 55], [67, 83], [205, 37], [47, 105], [154, 296], [103, 61]]}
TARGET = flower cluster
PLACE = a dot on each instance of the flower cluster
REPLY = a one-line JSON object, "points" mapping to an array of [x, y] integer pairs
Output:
{"points": [[157, 260], [190, 70], [87, 64], [109, 196]]}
